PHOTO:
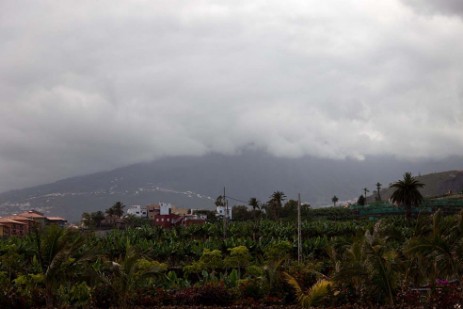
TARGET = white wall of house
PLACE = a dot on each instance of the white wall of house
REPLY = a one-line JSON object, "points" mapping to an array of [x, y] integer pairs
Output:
{"points": [[221, 212], [165, 208], [137, 211]]}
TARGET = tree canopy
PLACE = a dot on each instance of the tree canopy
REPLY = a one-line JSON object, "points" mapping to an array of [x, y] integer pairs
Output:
{"points": [[406, 193]]}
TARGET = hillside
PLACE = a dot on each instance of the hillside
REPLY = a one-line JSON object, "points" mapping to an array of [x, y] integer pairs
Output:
{"points": [[195, 182], [435, 184]]}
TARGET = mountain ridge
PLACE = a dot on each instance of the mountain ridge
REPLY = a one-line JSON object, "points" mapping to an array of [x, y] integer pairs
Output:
{"points": [[195, 182]]}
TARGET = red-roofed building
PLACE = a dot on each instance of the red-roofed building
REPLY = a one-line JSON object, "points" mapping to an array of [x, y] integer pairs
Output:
{"points": [[170, 216], [16, 228], [4, 230], [35, 215], [29, 223], [57, 220]]}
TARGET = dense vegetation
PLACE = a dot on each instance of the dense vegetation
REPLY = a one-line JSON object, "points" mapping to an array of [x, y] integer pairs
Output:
{"points": [[345, 262]]}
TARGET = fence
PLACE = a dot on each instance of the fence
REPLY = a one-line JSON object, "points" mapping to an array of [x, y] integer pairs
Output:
{"points": [[378, 209]]}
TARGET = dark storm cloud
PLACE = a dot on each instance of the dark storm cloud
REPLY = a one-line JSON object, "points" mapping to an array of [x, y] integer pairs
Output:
{"points": [[446, 7], [96, 85]]}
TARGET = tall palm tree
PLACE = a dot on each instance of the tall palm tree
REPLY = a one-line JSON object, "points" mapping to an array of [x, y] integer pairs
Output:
{"points": [[219, 201], [334, 199], [118, 209], [254, 203], [275, 204], [110, 212], [278, 197], [406, 193], [378, 189]]}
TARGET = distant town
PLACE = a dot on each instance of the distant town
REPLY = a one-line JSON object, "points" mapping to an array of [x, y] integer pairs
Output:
{"points": [[161, 214]]}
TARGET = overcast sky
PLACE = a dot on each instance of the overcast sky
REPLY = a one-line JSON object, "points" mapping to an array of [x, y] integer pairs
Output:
{"points": [[93, 85]]}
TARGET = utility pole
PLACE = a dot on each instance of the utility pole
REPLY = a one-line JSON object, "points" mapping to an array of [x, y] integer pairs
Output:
{"points": [[225, 205], [299, 233]]}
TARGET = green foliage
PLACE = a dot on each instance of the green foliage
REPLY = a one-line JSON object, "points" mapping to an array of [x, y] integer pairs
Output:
{"points": [[406, 193], [315, 295], [241, 213], [331, 213], [239, 257], [365, 263], [278, 250], [210, 260]]}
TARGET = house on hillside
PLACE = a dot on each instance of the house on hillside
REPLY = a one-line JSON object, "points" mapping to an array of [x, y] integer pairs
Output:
{"points": [[153, 210], [137, 211], [57, 221], [4, 230], [38, 217], [170, 216], [13, 227], [166, 218], [224, 211], [23, 223], [29, 223], [192, 219]]}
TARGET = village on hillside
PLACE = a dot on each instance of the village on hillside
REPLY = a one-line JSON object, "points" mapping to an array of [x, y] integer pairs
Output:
{"points": [[162, 214]]}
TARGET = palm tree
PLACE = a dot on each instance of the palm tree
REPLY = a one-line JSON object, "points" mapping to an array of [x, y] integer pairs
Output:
{"points": [[58, 252], [406, 193], [334, 199], [254, 203], [378, 189], [219, 201], [275, 203], [110, 213], [439, 246], [118, 209], [97, 217], [278, 197], [369, 266]]}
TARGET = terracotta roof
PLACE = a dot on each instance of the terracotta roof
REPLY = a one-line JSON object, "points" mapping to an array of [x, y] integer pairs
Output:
{"points": [[180, 211], [9, 220], [20, 218], [31, 214]]}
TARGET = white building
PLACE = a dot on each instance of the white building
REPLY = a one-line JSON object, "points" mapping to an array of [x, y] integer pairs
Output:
{"points": [[165, 208], [138, 211], [221, 211]]}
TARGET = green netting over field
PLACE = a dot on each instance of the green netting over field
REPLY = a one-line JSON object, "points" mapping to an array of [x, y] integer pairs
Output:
{"points": [[385, 208]]}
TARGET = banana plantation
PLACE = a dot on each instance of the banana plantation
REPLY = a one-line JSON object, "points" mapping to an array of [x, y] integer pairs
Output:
{"points": [[352, 263]]}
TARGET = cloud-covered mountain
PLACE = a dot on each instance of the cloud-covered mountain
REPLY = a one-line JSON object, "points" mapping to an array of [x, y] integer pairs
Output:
{"points": [[195, 182]]}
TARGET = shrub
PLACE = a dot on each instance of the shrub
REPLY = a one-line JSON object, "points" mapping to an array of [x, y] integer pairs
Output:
{"points": [[252, 288], [103, 297]]}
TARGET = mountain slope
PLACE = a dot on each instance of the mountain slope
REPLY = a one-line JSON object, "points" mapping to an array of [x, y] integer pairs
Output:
{"points": [[195, 182], [435, 184]]}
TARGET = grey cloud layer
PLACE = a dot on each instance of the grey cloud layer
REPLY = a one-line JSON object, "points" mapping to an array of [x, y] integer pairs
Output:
{"points": [[95, 85]]}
